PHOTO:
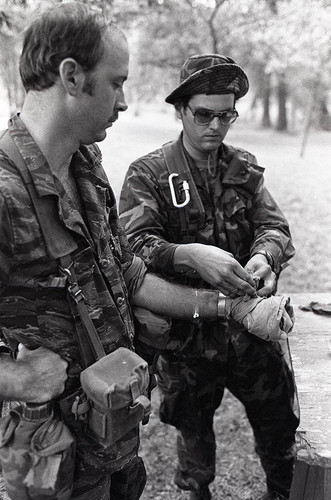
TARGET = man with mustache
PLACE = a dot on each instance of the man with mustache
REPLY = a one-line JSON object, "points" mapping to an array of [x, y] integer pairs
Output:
{"points": [[198, 210], [73, 67], [55, 197]]}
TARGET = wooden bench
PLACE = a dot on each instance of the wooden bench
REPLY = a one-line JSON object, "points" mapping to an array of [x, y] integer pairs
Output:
{"points": [[310, 344]]}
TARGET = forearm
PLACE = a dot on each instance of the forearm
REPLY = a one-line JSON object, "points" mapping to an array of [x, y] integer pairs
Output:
{"points": [[37, 375], [178, 301], [269, 318], [16, 380], [186, 256]]}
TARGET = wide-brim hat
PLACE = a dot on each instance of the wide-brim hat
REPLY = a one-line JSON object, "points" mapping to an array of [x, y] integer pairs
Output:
{"points": [[210, 74]]}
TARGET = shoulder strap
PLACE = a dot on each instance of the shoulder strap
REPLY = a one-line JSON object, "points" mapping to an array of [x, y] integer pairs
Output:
{"points": [[192, 216], [60, 244], [58, 240]]}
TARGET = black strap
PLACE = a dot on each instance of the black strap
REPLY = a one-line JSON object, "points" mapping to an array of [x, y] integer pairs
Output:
{"points": [[192, 216], [58, 240], [60, 244]]}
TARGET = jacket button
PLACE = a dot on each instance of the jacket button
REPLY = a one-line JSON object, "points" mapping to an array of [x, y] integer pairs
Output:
{"points": [[104, 263], [120, 301]]}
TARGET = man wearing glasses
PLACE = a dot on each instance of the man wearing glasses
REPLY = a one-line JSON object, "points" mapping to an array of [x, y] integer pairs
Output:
{"points": [[197, 210]]}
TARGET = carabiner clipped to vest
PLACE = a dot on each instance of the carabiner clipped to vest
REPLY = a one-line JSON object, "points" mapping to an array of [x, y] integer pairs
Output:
{"points": [[186, 189]]}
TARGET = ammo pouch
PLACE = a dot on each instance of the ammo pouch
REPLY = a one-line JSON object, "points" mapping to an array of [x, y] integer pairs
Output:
{"points": [[152, 329], [37, 454], [116, 387]]}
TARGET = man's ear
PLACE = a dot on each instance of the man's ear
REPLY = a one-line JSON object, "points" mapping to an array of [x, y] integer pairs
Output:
{"points": [[179, 112], [72, 76]]}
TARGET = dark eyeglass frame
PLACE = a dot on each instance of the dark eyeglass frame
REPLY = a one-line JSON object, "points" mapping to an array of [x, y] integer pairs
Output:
{"points": [[210, 115]]}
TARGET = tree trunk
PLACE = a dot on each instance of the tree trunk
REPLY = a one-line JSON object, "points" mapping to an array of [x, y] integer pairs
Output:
{"points": [[308, 118], [266, 94], [282, 97]]}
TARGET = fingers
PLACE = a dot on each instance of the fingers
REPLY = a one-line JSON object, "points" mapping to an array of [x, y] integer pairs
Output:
{"points": [[239, 283], [246, 278], [286, 323], [237, 288], [268, 287]]}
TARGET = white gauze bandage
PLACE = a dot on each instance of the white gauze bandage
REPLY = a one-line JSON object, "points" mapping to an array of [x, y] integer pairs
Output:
{"points": [[270, 318]]}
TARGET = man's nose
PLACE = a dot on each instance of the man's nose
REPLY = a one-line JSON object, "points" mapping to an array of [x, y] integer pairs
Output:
{"points": [[215, 123], [121, 104]]}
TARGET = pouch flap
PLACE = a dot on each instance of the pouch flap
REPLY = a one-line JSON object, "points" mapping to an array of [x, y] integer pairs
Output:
{"points": [[152, 329], [8, 425], [232, 202], [108, 382], [144, 403], [52, 437]]}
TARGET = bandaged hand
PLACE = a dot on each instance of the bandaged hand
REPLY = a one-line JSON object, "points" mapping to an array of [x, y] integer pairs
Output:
{"points": [[270, 318]]}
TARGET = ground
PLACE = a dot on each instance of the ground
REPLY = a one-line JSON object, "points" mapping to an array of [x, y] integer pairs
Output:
{"points": [[301, 187], [239, 475]]}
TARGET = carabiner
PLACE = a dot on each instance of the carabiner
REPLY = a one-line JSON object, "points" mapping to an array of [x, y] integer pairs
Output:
{"points": [[186, 189]]}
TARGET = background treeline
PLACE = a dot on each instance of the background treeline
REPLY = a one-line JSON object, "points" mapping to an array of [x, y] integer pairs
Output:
{"points": [[285, 46]]}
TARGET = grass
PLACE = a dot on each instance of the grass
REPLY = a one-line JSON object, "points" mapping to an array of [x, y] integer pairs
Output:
{"points": [[301, 187]]}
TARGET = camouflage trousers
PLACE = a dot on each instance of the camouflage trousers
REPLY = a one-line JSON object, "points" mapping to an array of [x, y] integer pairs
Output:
{"points": [[192, 385], [115, 473], [125, 484]]}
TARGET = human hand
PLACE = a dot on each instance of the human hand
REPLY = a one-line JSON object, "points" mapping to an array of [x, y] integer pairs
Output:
{"points": [[259, 267], [221, 270], [269, 318], [42, 373]]}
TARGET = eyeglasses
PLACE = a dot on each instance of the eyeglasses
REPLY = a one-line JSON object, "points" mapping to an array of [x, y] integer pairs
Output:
{"points": [[204, 117]]}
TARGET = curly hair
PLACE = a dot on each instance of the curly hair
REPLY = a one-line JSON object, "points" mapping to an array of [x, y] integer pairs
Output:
{"points": [[66, 30]]}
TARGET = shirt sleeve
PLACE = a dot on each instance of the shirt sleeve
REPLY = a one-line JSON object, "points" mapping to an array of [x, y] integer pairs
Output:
{"points": [[6, 243], [270, 228], [143, 215]]}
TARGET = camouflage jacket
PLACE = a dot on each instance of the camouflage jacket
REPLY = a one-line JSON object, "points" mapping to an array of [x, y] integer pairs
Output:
{"points": [[240, 214], [33, 305]]}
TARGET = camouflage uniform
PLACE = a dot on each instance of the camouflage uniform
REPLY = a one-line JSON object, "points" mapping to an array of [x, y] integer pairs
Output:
{"points": [[242, 218], [33, 304]]}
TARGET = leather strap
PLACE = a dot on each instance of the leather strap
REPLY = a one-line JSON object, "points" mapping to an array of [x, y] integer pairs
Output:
{"points": [[35, 411], [58, 240], [60, 244]]}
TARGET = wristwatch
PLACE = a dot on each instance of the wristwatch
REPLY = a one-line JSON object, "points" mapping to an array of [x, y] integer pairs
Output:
{"points": [[221, 310]]}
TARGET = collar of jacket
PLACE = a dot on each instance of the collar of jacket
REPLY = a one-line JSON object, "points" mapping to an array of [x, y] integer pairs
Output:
{"points": [[88, 173], [240, 173], [239, 170]]}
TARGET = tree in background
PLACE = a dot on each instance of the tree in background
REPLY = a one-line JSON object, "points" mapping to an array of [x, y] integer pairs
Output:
{"points": [[12, 17], [270, 38], [283, 44]]}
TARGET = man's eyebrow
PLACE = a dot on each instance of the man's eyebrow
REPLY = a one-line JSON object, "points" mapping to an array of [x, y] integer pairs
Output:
{"points": [[202, 108]]}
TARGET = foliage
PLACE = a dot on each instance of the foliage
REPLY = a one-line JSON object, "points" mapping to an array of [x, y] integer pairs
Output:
{"points": [[284, 45]]}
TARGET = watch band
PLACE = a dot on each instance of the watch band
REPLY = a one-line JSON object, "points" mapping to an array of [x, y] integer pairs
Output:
{"points": [[221, 313]]}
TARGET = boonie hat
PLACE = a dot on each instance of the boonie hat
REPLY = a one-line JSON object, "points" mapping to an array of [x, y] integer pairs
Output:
{"points": [[210, 74]]}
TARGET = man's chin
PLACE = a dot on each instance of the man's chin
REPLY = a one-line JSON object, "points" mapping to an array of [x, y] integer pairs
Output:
{"points": [[100, 136]]}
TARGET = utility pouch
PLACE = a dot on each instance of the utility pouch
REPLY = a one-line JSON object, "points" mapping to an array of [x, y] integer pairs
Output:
{"points": [[152, 329], [37, 453], [116, 387]]}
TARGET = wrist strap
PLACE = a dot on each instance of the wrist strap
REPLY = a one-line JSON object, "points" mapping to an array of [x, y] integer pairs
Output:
{"points": [[221, 306]]}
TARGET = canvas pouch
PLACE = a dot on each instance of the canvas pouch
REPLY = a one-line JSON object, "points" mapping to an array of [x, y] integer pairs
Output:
{"points": [[37, 456], [116, 388]]}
